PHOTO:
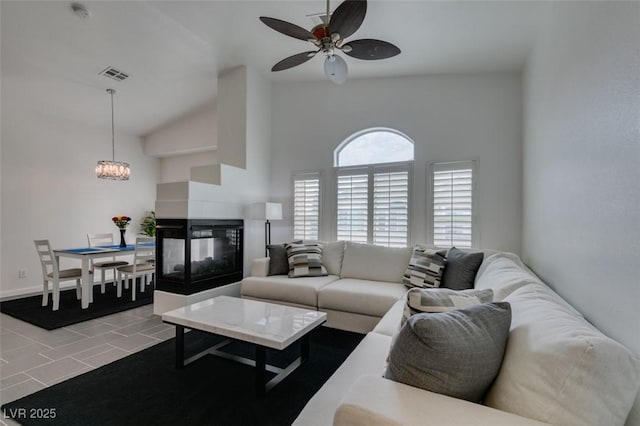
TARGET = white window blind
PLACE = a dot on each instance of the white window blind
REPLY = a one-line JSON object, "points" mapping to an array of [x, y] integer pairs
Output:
{"points": [[373, 205], [353, 208], [453, 204], [306, 207], [391, 209]]}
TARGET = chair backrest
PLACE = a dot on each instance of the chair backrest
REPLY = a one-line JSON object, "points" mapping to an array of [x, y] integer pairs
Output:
{"points": [[47, 258], [142, 252], [100, 239]]}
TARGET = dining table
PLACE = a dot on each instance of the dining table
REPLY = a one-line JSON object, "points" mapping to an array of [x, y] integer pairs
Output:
{"points": [[86, 254]]}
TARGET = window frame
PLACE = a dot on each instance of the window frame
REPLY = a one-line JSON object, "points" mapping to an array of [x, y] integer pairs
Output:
{"points": [[298, 176], [342, 145], [435, 166]]}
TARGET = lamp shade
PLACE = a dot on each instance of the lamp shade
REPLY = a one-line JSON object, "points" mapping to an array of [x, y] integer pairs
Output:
{"points": [[335, 69], [266, 211]]}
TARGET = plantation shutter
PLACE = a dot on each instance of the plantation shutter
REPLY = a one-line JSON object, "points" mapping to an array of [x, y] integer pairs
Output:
{"points": [[306, 207], [453, 204], [352, 207], [391, 209], [373, 204]]}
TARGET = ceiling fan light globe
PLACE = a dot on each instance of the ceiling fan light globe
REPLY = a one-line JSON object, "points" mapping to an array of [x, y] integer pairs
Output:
{"points": [[346, 48], [335, 70]]}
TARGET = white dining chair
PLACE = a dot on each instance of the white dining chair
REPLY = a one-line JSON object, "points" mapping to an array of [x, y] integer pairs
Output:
{"points": [[143, 266], [51, 272], [96, 240]]}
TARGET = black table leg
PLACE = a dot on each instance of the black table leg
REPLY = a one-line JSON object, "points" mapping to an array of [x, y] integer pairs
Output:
{"points": [[261, 376], [179, 347], [304, 348]]}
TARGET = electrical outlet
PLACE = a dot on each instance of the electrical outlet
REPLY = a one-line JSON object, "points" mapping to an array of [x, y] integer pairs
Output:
{"points": [[22, 273]]}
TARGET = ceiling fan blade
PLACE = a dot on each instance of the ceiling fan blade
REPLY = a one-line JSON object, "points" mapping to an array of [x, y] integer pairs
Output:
{"points": [[294, 60], [288, 28], [370, 49], [348, 17]]}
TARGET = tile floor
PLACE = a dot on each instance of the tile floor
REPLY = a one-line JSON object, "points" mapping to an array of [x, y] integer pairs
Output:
{"points": [[32, 358]]}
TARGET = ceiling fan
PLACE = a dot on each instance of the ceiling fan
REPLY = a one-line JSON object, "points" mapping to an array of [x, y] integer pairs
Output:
{"points": [[329, 38]]}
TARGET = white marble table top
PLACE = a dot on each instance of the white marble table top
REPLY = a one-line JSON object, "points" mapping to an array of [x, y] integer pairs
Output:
{"points": [[267, 324]]}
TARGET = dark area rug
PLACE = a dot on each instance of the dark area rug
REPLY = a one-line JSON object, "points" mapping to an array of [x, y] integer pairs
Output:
{"points": [[30, 309], [146, 388]]}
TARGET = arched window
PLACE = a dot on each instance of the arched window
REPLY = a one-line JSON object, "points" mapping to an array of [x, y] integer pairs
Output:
{"points": [[374, 146], [373, 169]]}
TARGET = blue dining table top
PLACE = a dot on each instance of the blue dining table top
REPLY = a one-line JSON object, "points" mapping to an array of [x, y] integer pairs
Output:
{"points": [[102, 249]]}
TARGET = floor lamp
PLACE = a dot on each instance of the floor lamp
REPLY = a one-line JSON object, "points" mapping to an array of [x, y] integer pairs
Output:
{"points": [[266, 212]]}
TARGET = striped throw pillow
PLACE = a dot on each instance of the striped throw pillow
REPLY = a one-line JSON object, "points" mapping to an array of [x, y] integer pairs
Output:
{"points": [[305, 260], [425, 268], [435, 300]]}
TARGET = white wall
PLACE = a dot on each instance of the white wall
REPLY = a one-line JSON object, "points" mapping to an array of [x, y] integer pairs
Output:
{"points": [[178, 168], [449, 117], [50, 190], [193, 132], [581, 228]]}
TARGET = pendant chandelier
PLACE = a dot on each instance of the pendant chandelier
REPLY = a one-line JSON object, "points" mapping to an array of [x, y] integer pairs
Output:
{"points": [[112, 169]]}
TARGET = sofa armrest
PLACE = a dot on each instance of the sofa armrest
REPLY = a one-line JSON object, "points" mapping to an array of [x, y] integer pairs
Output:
{"points": [[260, 267], [376, 401]]}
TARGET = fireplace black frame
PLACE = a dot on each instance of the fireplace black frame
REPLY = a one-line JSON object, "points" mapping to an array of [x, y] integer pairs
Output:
{"points": [[185, 229]]}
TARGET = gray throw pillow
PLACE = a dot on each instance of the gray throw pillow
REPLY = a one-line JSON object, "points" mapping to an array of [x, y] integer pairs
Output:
{"points": [[278, 262], [456, 353], [461, 269], [425, 268], [305, 260], [442, 300]]}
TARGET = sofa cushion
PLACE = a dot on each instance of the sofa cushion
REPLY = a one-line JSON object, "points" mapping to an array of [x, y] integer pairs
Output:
{"points": [[278, 263], [367, 358], [360, 296], [560, 369], [376, 263], [425, 268], [332, 254], [443, 300], [281, 288], [305, 260], [503, 273], [456, 353], [375, 401], [461, 268], [390, 322]]}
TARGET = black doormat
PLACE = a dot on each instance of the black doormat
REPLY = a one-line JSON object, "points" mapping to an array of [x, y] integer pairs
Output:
{"points": [[146, 389], [30, 309]]}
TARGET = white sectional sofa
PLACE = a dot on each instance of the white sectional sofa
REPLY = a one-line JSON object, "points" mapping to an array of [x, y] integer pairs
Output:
{"points": [[557, 368], [364, 281]]}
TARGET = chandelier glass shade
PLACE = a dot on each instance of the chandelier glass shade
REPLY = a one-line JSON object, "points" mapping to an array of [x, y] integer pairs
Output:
{"points": [[112, 169]]}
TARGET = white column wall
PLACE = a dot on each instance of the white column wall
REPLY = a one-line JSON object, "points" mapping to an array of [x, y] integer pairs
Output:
{"points": [[449, 117], [581, 231]]}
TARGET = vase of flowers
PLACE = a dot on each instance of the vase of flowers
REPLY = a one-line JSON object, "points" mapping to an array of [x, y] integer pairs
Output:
{"points": [[121, 222]]}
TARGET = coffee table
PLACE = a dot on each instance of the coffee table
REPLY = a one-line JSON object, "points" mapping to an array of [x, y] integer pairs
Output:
{"points": [[265, 325]]}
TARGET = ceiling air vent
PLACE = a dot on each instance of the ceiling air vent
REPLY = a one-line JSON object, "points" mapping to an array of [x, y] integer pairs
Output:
{"points": [[114, 73]]}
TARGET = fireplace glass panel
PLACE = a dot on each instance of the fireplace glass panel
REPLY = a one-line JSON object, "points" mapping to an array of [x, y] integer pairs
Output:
{"points": [[173, 258], [213, 252]]}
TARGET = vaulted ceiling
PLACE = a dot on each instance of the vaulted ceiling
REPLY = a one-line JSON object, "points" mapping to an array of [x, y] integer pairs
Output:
{"points": [[174, 50]]}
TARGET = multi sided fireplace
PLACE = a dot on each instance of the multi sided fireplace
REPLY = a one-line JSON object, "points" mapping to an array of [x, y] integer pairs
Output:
{"points": [[194, 255]]}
